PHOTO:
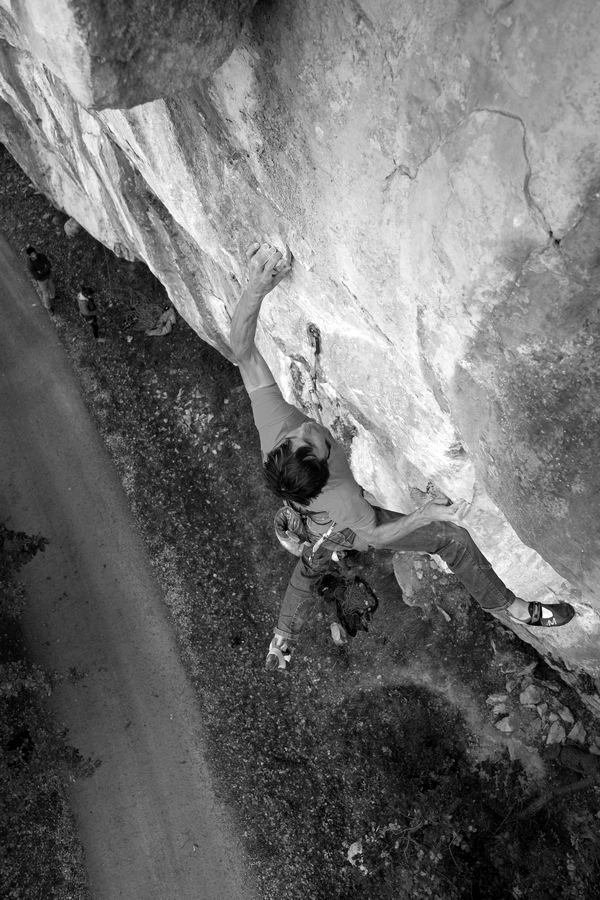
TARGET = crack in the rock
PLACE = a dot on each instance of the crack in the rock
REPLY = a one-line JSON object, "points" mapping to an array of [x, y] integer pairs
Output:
{"points": [[366, 314], [403, 170], [534, 208], [389, 65]]}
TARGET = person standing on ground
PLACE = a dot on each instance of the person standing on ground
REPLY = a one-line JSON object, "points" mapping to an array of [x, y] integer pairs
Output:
{"points": [[87, 310], [304, 466], [40, 268]]}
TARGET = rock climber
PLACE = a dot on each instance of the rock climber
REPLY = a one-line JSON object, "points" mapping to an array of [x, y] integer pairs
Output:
{"points": [[40, 268], [326, 510]]}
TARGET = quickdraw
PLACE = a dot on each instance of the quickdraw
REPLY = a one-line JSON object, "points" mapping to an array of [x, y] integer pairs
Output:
{"points": [[321, 540], [314, 337]]}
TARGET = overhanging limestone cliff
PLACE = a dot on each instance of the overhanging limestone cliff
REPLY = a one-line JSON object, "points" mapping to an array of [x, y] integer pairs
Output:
{"points": [[435, 170]]}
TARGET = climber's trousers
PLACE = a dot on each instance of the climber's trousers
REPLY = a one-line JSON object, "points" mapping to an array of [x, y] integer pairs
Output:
{"points": [[451, 542]]}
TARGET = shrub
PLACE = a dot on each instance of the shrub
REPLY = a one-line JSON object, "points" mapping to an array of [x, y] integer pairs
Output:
{"points": [[42, 857]]}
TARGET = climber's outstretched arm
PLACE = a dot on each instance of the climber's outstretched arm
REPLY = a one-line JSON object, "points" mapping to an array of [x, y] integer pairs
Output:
{"points": [[263, 276], [384, 534]]}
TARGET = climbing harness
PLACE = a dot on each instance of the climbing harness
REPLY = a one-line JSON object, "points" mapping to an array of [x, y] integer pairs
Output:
{"points": [[290, 530], [294, 532], [314, 337], [321, 541]]}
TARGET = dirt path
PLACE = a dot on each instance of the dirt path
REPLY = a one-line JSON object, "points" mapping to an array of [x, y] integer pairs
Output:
{"points": [[151, 826]]}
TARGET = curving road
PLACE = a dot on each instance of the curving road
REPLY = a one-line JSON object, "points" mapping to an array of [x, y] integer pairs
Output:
{"points": [[148, 818]]}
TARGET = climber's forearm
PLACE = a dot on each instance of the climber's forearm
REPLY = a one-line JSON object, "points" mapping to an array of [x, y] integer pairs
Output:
{"points": [[385, 534], [254, 369], [263, 276], [243, 324], [388, 532]]}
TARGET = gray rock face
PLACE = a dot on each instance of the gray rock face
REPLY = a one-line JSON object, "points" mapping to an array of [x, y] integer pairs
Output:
{"points": [[115, 54], [434, 169]]}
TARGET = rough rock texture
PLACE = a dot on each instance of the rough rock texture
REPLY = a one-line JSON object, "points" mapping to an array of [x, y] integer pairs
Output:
{"points": [[435, 169], [115, 54]]}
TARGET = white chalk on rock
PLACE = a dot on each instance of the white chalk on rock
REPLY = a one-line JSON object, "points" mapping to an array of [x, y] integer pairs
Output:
{"points": [[279, 244]]}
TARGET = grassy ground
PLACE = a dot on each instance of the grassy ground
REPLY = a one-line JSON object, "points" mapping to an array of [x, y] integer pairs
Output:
{"points": [[372, 771]]}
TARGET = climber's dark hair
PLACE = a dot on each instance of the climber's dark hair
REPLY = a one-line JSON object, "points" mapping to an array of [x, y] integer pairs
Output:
{"points": [[295, 474]]}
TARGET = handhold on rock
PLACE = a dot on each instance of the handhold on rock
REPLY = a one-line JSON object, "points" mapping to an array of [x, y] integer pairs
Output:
{"points": [[279, 244]]}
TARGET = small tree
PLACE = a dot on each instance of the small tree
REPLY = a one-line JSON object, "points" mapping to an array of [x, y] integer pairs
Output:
{"points": [[42, 857]]}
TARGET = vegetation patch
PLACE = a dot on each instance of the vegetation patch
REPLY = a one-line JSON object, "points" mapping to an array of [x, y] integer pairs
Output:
{"points": [[42, 857]]}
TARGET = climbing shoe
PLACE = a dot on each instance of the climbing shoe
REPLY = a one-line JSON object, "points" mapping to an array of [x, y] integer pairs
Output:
{"points": [[279, 654], [547, 615], [355, 603]]}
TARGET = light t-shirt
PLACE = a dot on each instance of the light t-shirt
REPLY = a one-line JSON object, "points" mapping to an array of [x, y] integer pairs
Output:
{"points": [[342, 498]]}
